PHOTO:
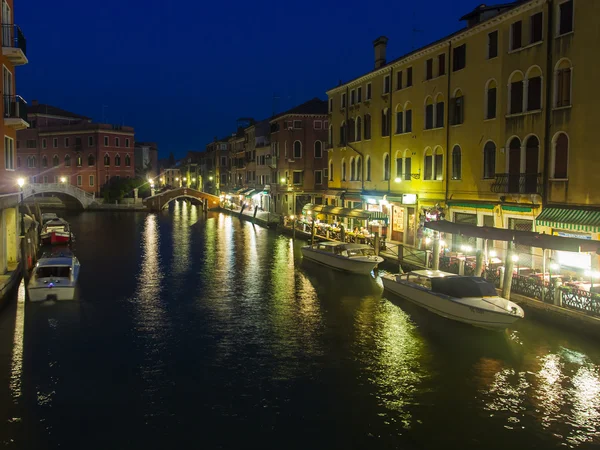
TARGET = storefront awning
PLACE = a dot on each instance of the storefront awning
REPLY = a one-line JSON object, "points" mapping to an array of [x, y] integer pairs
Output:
{"points": [[570, 219], [343, 212], [249, 192]]}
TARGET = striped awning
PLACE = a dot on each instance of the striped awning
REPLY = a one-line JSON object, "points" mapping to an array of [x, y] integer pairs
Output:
{"points": [[570, 219]]}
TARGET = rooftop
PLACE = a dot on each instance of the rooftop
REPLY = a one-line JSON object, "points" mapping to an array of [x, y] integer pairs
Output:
{"points": [[313, 106], [41, 108]]}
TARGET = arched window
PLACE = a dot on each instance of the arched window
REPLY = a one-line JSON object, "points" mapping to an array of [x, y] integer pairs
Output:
{"points": [[330, 170], [563, 74], [456, 163], [514, 165], [79, 160], [560, 160], [367, 127], [438, 164], [106, 160], [352, 169], [490, 99], [457, 108], [127, 160], [407, 118], [18, 162], [532, 152], [297, 149], [67, 160], [358, 168], [386, 167], [439, 111], [343, 134], [428, 113], [351, 130], [91, 160], [398, 160], [515, 93], [343, 169], [428, 164], [33, 161], [489, 160], [330, 136], [358, 129], [118, 160], [318, 149], [407, 165], [385, 122], [533, 88], [368, 168], [399, 119], [55, 161], [44, 161]]}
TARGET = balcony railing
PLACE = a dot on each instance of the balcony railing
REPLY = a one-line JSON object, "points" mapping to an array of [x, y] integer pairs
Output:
{"points": [[518, 183], [15, 112], [13, 40]]}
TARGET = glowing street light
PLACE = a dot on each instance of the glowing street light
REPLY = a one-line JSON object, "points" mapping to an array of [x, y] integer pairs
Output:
{"points": [[194, 179], [21, 182], [210, 178], [184, 179], [63, 179], [176, 178], [398, 180], [282, 180]]}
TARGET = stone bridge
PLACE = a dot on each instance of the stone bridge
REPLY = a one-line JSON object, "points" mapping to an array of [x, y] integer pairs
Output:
{"points": [[160, 201], [84, 198]]}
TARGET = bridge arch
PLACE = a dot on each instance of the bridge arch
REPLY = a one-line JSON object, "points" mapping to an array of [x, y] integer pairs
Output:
{"points": [[83, 198], [160, 201]]}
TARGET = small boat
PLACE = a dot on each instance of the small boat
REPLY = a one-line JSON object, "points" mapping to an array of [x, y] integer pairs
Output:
{"points": [[353, 258], [56, 231], [46, 217], [465, 299], [54, 277]]}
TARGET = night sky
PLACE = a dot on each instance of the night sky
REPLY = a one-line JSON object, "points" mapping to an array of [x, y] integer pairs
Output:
{"points": [[182, 72]]}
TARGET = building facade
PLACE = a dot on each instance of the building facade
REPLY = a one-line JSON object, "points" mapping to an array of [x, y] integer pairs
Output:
{"points": [[146, 160], [487, 126], [65, 147]]}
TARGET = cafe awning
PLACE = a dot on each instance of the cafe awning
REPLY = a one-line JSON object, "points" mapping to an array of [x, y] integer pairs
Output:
{"points": [[249, 192], [570, 219], [497, 234], [342, 212]]}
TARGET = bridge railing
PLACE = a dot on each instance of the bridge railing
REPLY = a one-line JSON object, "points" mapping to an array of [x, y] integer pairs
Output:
{"points": [[80, 194]]}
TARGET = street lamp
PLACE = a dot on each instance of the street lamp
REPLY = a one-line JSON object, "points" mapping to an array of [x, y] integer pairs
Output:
{"points": [[21, 183], [210, 178], [63, 179]]}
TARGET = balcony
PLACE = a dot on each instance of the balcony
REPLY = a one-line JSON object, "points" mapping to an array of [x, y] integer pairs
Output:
{"points": [[14, 44], [518, 183], [271, 161], [15, 112]]}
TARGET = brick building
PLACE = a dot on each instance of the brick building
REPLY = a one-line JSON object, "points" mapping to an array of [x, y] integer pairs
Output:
{"points": [[64, 145]]}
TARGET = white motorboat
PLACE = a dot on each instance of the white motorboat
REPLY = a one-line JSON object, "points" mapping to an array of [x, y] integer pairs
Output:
{"points": [[54, 277], [470, 300], [354, 258]]}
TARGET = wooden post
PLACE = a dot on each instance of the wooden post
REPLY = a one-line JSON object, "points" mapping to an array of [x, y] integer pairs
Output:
{"points": [[342, 233], [255, 211], [436, 250], [294, 228], [312, 234], [508, 272], [478, 263], [376, 242]]}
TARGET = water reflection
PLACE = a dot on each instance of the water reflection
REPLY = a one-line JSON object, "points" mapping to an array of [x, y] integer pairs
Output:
{"points": [[184, 214], [18, 339]]}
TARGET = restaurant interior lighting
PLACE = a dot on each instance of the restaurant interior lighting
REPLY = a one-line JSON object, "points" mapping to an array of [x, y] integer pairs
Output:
{"points": [[427, 240], [398, 180], [515, 258], [493, 254], [554, 266]]}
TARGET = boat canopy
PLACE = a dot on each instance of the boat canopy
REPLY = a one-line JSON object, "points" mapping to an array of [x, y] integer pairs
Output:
{"points": [[462, 287], [344, 212]]}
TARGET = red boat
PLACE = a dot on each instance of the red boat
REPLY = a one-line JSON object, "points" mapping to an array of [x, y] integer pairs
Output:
{"points": [[55, 232]]}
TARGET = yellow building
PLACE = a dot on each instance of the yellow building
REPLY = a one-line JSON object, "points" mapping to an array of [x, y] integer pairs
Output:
{"points": [[485, 126]]}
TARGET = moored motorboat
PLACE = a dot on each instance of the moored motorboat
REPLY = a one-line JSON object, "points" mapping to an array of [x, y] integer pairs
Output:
{"points": [[46, 217], [470, 300], [54, 277], [56, 232], [354, 258]]}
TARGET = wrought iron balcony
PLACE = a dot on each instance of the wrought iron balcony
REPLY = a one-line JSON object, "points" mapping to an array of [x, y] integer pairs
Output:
{"points": [[14, 44], [517, 183], [15, 112]]}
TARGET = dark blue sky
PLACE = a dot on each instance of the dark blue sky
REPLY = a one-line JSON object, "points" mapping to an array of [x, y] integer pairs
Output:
{"points": [[181, 72]]}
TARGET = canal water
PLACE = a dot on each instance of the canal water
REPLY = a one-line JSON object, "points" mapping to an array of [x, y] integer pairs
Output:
{"points": [[208, 332]]}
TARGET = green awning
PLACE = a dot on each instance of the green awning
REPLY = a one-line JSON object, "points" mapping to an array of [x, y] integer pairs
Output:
{"points": [[344, 212], [570, 219], [249, 193]]}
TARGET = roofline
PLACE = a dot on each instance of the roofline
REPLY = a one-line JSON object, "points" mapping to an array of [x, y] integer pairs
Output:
{"points": [[440, 43], [298, 115]]}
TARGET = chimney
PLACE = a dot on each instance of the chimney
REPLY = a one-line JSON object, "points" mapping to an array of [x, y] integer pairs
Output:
{"points": [[380, 45], [34, 103]]}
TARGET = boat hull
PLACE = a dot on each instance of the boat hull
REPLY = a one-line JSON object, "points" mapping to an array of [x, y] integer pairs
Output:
{"points": [[55, 238], [43, 293], [361, 265], [449, 309]]}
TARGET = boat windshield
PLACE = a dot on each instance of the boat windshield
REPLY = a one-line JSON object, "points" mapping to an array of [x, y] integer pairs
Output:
{"points": [[53, 272], [361, 252], [462, 287]]}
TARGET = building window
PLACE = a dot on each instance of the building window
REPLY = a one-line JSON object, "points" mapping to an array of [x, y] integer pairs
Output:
{"points": [[67, 142], [297, 149], [78, 143], [441, 64], [55, 161], [79, 180], [297, 177], [106, 141], [318, 149], [9, 153], [358, 168], [489, 160], [367, 126], [91, 180], [44, 161], [343, 134], [106, 160], [67, 160], [490, 99], [429, 69], [386, 84], [45, 179], [117, 142], [399, 120], [399, 80], [534, 89], [434, 165], [456, 163], [31, 162], [438, 163], [515, 35], [330, 171], [535, 28], [330, 136], [459, 61], [330, 105], [439, 111], [560, 160], [407, 118], [492, 47], [516, 93], [352, 97], [297, 124], [358, 129], [91, 160], [565, 17], [118, 160], [351, 130], [79, 160], [359, 94], [386, 167], [407, 165], [428, 113], [90, 141], [343, 169], [318, 177], [368, 168], [457, 108], [127, 143], [409, 77], [55, 143], [318, 124], [428, 165], [399, 165], [385, 122], [562, 89], [343, 100], [44, 143], [352, 169], [369, 91], [31, 143]]}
